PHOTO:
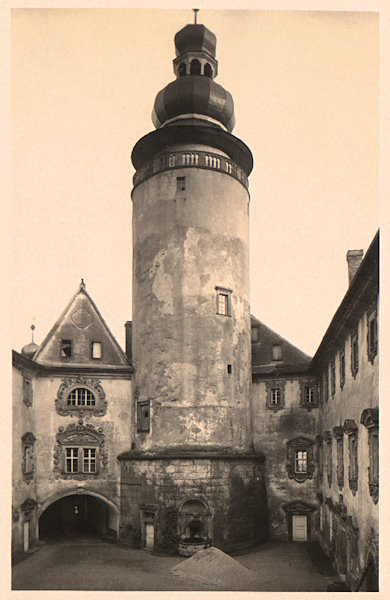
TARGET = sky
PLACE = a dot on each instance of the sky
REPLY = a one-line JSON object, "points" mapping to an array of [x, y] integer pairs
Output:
{"points": [[306, 92]]}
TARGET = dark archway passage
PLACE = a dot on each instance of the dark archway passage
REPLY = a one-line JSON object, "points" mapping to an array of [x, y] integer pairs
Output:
{"points": [[77, 515]]}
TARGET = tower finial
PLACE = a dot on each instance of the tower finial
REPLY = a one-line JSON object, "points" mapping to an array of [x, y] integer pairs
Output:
{"points": [[82, 284], [32, 333], [196, 10]]}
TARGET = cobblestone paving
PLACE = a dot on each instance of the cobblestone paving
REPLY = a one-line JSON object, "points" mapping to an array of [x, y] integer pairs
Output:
{"points": [[94, 565]]}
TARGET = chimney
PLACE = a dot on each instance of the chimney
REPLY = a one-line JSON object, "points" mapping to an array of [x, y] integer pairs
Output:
{"points": [[129, 331], [354, 258]]}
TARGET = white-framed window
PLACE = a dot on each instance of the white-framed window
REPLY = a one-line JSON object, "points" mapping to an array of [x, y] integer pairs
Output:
{"points": [[301, 461], [309, 394], [96, 350], [81, 397], [223, 301], [71, 460], [275, 396], [80, 460]]}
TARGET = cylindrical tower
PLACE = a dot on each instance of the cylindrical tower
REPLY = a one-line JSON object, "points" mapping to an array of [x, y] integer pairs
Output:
{"points": [[191, 321], [191, 478]]}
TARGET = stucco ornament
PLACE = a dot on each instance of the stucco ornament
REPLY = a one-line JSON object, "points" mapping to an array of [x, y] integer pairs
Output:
{"points": [[82, 436], [82, 318], [298, 445], [71, 383]]}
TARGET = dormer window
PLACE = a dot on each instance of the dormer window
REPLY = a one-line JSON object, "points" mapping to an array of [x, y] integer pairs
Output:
{"points": [[276, 352], [66, 348], [254, 335], [96, 350]]}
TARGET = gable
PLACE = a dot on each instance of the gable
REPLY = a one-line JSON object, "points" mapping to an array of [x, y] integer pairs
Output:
{"points": [[291, 360], [79, 327]]}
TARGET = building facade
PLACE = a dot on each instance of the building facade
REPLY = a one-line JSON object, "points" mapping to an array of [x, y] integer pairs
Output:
{"points": [[211, 429]]}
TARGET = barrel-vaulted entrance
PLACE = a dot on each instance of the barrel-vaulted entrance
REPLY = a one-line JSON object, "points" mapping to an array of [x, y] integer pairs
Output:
{"points": [[77, 513]]}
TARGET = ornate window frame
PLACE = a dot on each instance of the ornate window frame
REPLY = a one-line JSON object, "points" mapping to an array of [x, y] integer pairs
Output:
{"points": [[372, 333], [27, 389], [370, 419], [275, 384], [342, 366], [320, 456], [338, 434], [329, 458], [69, 384], [305, 385], [326, 384], [333, 376], [295, 447], [351, 429], [28, 458], [80, 436], [355, 352]]}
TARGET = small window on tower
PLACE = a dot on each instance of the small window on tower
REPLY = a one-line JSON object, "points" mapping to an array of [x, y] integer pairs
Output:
{"points": [[66, 348], [180, 184], [143, 417], [96, 351], [229, 369], [223, 302]]}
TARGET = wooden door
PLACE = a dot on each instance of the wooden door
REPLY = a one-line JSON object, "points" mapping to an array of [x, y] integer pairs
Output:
{"points": [[149, 536], [299, 528], [26, 535]]}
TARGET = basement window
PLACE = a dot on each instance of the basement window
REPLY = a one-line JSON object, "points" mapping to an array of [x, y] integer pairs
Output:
{"points": [[143, 417], [66, 348]]}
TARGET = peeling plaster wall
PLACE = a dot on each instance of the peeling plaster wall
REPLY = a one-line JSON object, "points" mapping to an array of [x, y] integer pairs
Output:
{"points": [[44, 422], [349, 403], [233, 490], [187, 242], [271, 431]]}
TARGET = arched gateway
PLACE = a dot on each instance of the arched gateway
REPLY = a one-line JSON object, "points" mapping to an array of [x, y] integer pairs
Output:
{"points": [[77, 513]]}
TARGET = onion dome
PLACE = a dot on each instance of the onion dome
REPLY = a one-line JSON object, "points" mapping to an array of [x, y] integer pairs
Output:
{"points": [[30, 349], [194, 97]]}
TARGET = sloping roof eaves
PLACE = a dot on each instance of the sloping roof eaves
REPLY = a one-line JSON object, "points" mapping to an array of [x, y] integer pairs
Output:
{"points": [[361, 293]]}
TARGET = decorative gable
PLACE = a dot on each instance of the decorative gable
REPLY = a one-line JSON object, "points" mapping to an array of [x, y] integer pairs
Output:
{"points": [[80, 337]]}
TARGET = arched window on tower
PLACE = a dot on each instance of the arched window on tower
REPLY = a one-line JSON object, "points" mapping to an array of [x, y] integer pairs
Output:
{"points": [[182, 69], [195, 67], [208, 70]]}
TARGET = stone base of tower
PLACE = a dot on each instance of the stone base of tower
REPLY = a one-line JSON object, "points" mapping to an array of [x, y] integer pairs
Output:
{"points": [[179, 504]]}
